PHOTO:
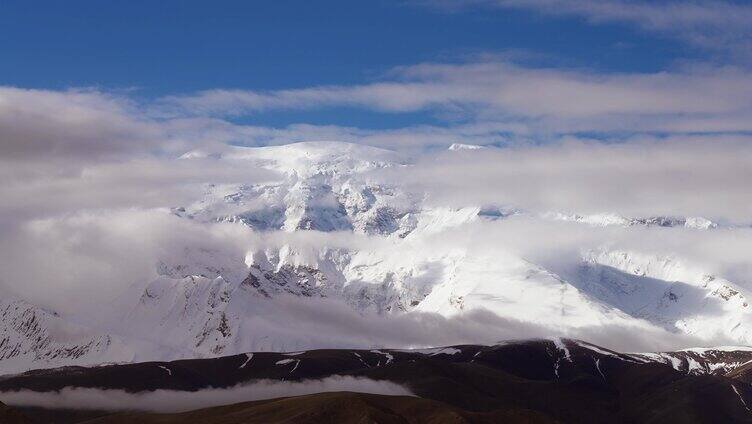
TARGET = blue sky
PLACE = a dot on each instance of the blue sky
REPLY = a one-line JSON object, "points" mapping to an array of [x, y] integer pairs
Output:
{"points": [[608, 57], [178, 46], [170, 46]]}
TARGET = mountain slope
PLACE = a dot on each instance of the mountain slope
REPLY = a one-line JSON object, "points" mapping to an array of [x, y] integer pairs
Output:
{"points": [[334, 407], [32, 337], [331, 228], [561, 379], [12, 416]]}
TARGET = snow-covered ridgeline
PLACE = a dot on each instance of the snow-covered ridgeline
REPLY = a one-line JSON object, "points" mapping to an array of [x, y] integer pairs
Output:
{"points": [[206, 303]]}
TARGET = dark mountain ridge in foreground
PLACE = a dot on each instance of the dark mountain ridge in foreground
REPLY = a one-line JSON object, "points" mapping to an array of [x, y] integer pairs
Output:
{"points": [[559, 380]]}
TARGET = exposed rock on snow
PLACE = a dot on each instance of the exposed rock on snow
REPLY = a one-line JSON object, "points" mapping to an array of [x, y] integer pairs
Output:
{"points": [[205, 302]]}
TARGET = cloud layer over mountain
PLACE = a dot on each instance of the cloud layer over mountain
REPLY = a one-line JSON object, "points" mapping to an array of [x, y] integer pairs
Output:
{"points": [[178, 401], [611, 206]]}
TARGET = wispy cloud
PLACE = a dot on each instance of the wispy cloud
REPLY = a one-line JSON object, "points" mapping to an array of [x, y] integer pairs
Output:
{"points": [[684, 176], [482, 102], [712, 24], [542, 99], [178, 401]]}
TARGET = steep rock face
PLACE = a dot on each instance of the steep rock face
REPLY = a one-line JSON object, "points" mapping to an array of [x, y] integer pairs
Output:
{"points": [[296, 280], [364, 280], [32, 337], [190, 313]]}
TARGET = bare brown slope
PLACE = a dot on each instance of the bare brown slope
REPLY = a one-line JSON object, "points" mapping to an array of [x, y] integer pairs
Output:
{"points": [[569, 380], [339, 407], [742, 373], [10, 415]]}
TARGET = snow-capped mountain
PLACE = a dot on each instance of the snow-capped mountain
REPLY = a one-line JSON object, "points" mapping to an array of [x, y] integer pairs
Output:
{"points": [[32, 337], [324, 186], [332, 230]]}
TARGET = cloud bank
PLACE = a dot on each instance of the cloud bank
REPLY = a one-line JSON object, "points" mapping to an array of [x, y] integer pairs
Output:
{"points": [[167, 401], [692, 100], [685, 176], [78, 236], [88, 177], [328, 323]]}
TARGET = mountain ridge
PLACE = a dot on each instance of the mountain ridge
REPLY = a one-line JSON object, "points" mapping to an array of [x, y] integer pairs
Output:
{"points": [[561, 380], [382, 250]]}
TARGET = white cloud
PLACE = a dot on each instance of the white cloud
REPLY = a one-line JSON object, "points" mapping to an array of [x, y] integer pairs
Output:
{"points": [[673, 177], [537, 99], [86, 177], [95, 263], [135, 183], [82, 261], [478, 102], [66, 151], [69, 124], [329, 323], [166, 401]]}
